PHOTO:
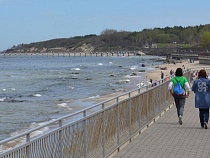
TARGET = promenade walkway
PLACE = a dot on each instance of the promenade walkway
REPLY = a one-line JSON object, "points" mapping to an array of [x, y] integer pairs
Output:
{"points": [[167, 139]]}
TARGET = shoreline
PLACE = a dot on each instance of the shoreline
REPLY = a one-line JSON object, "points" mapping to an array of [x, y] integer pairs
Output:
{"points": [[72, 103], [150, 74]]}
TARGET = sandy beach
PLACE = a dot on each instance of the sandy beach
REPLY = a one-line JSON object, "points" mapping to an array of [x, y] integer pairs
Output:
{"points": [[155, 75]]}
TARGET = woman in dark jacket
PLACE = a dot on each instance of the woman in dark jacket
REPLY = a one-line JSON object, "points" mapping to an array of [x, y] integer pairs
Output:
{"points": [[201, 88]]}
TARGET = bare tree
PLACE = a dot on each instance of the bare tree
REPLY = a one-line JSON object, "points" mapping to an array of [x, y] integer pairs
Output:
{"points": [[108, 32]]}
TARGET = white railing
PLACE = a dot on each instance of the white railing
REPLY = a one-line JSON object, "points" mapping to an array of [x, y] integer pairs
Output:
{"points": [[97, 131]]}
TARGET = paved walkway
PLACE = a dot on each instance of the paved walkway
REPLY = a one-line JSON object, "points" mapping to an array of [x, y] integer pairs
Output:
{"points": [[167, 139]]}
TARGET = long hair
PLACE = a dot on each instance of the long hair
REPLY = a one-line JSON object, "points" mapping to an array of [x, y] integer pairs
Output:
{"points": [[202, 73]]}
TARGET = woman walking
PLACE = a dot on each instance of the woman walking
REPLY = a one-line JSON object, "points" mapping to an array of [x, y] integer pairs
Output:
{"points": [[201, 88], [179, 98]]}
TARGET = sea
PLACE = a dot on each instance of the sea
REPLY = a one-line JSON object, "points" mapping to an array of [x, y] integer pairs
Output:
{"points": [[37, 89]]}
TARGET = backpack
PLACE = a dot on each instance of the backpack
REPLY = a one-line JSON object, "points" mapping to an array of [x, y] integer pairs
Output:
{"points": [[178, 90]]}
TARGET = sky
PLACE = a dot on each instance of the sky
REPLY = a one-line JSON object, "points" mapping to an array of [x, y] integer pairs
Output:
{"points": [[27, 21]]}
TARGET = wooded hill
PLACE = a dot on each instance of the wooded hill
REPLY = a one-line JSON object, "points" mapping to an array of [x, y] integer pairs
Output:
{"points": [[113, 40]]}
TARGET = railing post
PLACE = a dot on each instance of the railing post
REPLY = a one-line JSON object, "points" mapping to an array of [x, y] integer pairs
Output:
{"points": [[153, 101], [61, 138], [147, 102], [139, 90], [28, 153], [129, 114], [139, 110], [103, 132], [85, 135], [165, 88], [118, 124]]}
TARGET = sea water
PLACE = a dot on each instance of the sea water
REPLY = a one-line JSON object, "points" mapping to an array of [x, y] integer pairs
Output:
{"points": [[36, 89]]}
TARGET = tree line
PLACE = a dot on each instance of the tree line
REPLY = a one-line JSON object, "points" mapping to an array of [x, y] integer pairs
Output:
{"points": [[112, 40]]}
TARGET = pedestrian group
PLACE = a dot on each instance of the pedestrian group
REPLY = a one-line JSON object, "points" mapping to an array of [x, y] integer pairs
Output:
{"points": [[201, 88]]}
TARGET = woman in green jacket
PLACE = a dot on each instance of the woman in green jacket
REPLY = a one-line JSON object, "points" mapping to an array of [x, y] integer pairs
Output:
{"points": [[179, 99]]}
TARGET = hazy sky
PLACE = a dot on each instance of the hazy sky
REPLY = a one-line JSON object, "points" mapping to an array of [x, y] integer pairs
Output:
{"points": [[26, 21]]}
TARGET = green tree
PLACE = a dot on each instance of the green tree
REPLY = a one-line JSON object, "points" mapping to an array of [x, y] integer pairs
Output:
{"points": [[205, 39]]}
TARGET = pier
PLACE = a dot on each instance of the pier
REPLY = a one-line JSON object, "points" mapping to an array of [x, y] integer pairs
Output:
{"points": [[76, 54], [173, 53]]}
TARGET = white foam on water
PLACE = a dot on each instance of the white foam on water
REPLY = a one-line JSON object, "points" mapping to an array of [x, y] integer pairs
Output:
{"points": [[4, 89], [70, 87], [94, 97], [37, 95], [110, 62], [123, 81], [13, 89], [100, 64], [2, 99], [133, 67], [77, 69], [127, 81], [64, 105], [129, 76]]}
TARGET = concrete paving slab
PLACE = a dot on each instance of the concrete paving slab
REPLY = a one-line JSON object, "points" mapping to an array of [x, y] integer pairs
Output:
{"points": [[166, 138]]}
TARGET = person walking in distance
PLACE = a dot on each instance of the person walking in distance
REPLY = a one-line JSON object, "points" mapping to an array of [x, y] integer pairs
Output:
{"points": [[162, 75], [179, 98], [201, 88]]}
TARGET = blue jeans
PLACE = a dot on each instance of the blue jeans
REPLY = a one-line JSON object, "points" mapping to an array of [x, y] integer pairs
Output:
{"points": [[204, 116]]}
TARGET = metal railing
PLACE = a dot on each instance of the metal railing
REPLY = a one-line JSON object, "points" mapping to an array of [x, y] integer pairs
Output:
{"points": [[96, 131]]}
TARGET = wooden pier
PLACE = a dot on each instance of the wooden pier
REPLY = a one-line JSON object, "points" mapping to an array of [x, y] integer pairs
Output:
{"points": [[73, 54]]}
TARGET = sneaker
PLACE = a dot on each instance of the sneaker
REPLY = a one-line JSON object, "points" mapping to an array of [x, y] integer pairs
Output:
{"points": [[205, 125], [180, 120]]}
